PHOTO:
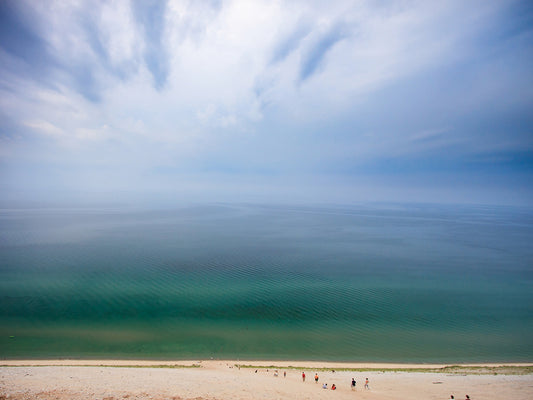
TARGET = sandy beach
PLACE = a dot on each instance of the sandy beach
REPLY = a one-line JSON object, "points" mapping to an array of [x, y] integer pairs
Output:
{"points": [[225, 380]]}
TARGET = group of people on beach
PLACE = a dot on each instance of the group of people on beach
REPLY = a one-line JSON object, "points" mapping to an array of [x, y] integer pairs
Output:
{"points": [[354, 384], [334, 387]]}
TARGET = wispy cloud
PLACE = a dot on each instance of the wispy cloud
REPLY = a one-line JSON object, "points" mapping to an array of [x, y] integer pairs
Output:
{"points": [[313, 58], [150, 16], [290, 42], [243, 87]]}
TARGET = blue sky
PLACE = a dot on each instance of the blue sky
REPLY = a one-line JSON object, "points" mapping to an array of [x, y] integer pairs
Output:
{"points": [[268, 101]]}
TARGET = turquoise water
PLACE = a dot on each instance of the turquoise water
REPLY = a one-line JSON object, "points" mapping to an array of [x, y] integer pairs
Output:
{"points": [[407, 283]]}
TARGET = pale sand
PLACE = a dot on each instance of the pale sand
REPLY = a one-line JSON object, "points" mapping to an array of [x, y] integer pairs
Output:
{"points": [[221, 380]]}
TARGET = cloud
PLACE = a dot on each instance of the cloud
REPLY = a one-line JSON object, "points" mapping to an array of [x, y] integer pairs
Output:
{"points": [[44, 127], [150, 15], [290, 43], [23, 50], [284, 89], [428, 134], [17, 36], [315, 54]]}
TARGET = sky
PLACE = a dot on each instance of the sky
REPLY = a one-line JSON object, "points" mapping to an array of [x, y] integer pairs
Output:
{"points": [[266, 101]]}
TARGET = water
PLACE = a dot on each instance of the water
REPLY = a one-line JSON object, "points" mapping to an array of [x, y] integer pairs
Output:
{"points": [[405, 283]]}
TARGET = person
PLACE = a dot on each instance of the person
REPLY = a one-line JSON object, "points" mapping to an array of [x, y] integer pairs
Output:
{"points": [[325, 386], [353, 384], [333, 387], [303, 376], [284, 374], [276, 373], [366, 384], [316, 377]]}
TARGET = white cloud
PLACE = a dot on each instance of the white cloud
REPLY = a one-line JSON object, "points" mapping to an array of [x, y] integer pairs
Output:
{"points": [[44, 127], [118, 32], [285, 87], [218, 57]]}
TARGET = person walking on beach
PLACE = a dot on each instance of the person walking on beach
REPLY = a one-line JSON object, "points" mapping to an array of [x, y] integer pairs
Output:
{"points": [[316, 378], [325, 386], [353, 384], [366, 384], [303, 376]]}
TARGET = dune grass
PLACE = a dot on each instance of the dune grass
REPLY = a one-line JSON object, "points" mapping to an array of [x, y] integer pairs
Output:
{"points": [[451, 369]]}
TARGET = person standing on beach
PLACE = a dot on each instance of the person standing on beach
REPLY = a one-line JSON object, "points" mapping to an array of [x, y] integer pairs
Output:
{"points": [[366, 384], [353, 383], [303, 376], [316, 378]]}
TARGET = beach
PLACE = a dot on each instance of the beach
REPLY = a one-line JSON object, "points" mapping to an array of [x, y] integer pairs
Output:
{"points": [[231, 379]]}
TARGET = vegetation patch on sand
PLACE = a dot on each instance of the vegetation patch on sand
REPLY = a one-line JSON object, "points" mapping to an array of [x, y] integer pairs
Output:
{"points": [[451, 369], [106, 365]]}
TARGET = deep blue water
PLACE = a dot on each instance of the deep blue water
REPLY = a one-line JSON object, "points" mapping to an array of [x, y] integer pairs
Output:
{"points": [[356, 283]]}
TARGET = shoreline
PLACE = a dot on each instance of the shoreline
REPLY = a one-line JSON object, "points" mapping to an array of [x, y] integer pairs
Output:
{"points": [[341, 365]]}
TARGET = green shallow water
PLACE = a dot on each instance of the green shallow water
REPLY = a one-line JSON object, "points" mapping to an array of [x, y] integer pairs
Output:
{"points": [[368, 283]]}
